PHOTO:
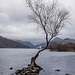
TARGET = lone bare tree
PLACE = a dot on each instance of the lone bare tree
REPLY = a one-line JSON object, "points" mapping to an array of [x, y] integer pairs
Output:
{"points": [[50, 18]]}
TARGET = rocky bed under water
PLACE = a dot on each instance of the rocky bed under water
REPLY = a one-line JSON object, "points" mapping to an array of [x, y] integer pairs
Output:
{"points": [[28, 71]]}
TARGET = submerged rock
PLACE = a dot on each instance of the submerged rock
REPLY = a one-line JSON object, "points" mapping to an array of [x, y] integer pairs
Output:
{"points": [[11, 68], [1, 72], [57, 70], [67, 74], [12, 74]]}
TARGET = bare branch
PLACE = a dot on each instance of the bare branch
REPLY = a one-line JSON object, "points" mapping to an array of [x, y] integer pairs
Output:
{"points": [[49, 17]]}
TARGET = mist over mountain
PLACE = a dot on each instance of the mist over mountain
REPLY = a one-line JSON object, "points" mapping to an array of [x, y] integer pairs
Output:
{"points": [[42, 45], [27, 43], [57, 40]]}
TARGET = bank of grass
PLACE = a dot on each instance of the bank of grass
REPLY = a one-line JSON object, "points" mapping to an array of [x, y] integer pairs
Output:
{"points": [[70, 49], [65, 50]]}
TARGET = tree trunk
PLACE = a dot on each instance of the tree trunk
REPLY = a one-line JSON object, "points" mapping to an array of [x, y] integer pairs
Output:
{"points": [[33, 68], [33, 59]]}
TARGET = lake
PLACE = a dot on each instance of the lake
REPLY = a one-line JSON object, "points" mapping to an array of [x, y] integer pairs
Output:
{"points": [[48, 60]]}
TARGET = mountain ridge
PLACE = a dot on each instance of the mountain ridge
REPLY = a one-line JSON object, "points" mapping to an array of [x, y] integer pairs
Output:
{"points": [[8, 43]]}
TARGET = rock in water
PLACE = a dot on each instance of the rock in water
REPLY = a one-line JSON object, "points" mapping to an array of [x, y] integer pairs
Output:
{"points": [[11, 68], [57, 70], [67, 74]]}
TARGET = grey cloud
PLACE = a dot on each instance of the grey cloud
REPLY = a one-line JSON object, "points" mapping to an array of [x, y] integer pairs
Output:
{"points": [[15, 10], [0, 10], [14, 21], [4, 18]]}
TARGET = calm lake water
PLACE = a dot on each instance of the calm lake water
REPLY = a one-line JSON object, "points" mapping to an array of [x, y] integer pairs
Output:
{"points": [[49, 61]]}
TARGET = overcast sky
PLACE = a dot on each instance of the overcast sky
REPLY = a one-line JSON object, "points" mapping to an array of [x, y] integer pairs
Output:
{"points": [[14, 23]]}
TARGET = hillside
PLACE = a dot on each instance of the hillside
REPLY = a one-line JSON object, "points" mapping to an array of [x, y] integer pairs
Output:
{"points": [[68, 40], [59, 44], [26, 43], [62, 41], [7, 43]]}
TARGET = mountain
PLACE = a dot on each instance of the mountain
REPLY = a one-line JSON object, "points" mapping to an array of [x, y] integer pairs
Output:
{"points": [[57, 40], [29, 44], [62, 41], [7, 43], [54, 41], [42, 45], [26, 43]]}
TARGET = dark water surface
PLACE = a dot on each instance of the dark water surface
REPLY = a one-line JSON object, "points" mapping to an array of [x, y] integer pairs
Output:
{"points": [[49, 61]]}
